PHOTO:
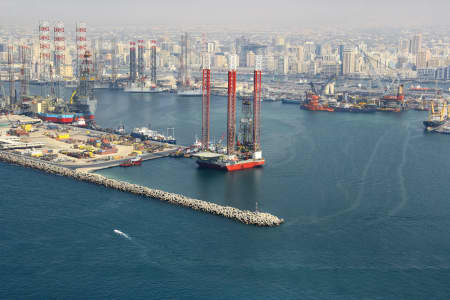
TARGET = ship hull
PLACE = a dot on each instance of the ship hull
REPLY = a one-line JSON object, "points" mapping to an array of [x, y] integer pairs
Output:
{"points": [[316, 108], [289, 101], [191, 93], [131, 164], [433, 124], [141, 91], [57, 118], [248, 164]]}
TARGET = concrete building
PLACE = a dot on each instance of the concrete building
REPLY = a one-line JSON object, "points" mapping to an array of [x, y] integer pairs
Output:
{"points": [[415, 45], [330, 69], [251, 59], [282, 65], [220, 60], [268, 63], [300, 54], [211, 47], [426, 73], [348, 63], [422, 59]]}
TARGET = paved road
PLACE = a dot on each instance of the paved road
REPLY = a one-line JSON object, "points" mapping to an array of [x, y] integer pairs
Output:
{"points": [[115, 163]]}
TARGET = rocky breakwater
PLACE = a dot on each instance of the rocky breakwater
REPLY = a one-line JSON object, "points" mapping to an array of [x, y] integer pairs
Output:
{"points": [[243, 216]]}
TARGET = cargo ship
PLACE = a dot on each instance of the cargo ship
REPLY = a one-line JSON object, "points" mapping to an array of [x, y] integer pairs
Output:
{"points": [[436, 116], [137, 161], [145, 133], [229, 162]]}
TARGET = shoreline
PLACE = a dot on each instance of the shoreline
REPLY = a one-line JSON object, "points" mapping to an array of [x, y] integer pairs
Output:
{"points": [[243, 216]]}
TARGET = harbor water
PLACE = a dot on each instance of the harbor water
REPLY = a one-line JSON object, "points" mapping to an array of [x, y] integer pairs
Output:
{"points": [[365, 200]]}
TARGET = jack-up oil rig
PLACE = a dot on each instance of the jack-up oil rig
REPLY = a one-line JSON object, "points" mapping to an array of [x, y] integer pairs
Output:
{"points": [[243, 151]]}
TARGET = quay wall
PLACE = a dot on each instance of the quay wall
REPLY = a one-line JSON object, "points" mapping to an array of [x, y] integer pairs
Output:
{"points": [[243, 216]]}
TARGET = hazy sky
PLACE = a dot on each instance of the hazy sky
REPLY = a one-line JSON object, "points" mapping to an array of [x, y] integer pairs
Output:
{"points": [[311, 13]]}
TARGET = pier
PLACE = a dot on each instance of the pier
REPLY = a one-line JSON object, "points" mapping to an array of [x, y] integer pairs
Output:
{"points": [[243, 216]]}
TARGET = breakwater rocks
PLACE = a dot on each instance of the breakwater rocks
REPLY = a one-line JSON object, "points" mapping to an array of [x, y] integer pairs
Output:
{"points": [[243, 216]]}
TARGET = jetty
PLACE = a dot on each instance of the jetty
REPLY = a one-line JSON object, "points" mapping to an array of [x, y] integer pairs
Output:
{"points": [[243, 216]]}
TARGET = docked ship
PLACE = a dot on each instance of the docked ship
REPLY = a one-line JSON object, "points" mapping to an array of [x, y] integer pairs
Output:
{"points": [[437, 116], [229, 162], [141, 87], [347, 107], [189, 92], [145, 133], [61, 118]]}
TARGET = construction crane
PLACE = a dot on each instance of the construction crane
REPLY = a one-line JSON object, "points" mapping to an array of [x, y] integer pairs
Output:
{"points": [[71, 97], [313, 88]]}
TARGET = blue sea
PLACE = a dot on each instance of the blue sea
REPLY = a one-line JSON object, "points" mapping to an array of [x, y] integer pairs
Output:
{"points": [[365, 197]]}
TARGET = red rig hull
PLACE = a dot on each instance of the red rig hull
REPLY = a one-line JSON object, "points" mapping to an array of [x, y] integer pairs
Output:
{"points": [[235, 166]]}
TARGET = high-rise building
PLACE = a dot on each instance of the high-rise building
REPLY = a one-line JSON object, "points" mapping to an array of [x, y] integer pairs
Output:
{"points": [[251, 59], [422, 59], [211, 47], [300, 54], [341, 49], [415, 45], [318, 50], [282, 65], [403, 46], [348, 63]]}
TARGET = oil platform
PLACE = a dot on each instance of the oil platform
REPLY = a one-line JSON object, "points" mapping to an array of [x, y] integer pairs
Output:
{"points": [[243, 151]]}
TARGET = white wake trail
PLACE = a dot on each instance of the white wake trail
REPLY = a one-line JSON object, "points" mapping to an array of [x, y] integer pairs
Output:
{"points": [[118, 232]]}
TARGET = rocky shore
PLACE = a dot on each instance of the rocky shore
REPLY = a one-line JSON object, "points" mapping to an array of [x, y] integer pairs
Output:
{"points": [[243, 216]]}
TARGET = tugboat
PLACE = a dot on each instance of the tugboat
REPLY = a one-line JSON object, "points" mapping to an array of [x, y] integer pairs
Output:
{"points": [[137, 161]]}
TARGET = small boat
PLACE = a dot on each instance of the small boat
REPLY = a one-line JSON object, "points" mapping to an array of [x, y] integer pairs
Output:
{"points": [[137, 161]]}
